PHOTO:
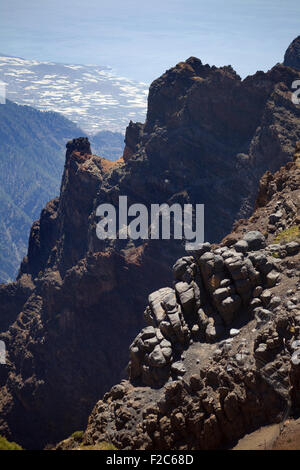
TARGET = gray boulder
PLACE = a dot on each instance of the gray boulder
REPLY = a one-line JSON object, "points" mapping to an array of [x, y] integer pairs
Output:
{"points": [[181, 266], [156, 358], [255, 239], [295, 359], [201, 249], [229, 307], [272, 278], [292, 248], [178, 368], [241, 246], [186, 295], [275, 217]]}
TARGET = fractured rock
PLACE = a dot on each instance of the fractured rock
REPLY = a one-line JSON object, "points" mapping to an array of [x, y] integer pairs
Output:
{"points": [[241, 246], [295, 359], [229, 307], [186, 295], [292, 248], [255, 240], [178, 368], [272, 278], [157, 358]]}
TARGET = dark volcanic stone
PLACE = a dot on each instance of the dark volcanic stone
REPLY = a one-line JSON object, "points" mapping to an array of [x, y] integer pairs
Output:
{"points": [[292, 55], [208, 138]]}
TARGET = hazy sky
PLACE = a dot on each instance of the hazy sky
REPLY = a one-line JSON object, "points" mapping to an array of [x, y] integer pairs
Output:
{"points": [[141, 39]]}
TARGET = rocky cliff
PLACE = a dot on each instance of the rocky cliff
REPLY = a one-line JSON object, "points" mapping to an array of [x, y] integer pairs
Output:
{"points": [[220, 356], [292, 55], [77, 303]]}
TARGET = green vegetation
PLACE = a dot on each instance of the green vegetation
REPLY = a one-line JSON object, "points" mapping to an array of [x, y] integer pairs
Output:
{"points": [[6, 445], [288, 235], [78, 435]]}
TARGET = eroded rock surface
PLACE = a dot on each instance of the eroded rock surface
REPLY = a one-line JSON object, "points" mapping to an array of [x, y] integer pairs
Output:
{"points": [[208, 370], [76, 305]]}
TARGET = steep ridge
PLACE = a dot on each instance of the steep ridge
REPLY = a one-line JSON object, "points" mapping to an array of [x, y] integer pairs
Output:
{"points": [[220, 356], [208, 138], [31, 164]]}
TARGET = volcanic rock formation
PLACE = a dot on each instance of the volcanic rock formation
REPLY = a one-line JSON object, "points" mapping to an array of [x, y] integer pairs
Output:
{"points": [[77, 302], [292, 55], [221, 354]]}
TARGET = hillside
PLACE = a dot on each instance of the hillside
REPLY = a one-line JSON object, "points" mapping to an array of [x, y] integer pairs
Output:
{"points": [[219, 356]]}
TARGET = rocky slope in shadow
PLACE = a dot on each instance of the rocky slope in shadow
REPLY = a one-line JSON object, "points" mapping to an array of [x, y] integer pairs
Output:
{"points": [[76, 305], [220, 356]]}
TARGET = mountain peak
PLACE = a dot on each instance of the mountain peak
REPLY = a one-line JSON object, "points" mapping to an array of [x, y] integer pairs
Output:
{"points": [[81, 144], [292, 54]]}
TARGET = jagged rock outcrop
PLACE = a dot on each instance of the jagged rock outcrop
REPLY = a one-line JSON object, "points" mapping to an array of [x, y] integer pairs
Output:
{"points": [[292, 55], [211, 290], [195, 386], [208, 138], [133, 136], [67, 331]]}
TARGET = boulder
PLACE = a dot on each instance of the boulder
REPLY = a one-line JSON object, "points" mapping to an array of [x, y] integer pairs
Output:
{"points": [[186, 295], [180, 267], [221, 294], [157, 358], [255, 239], [295, 359], [229, 307], [275, 217], [178, 368], [275, 302], [148, 332], [155, 302], [255, 302], [292, 248], [150, 343], [167, 352], [225, 282], [211, 333], [261, 352], [257, 291], [296, 345], [234, 332], [202, 319], [266, 297], [241, 246], [272, 278]]}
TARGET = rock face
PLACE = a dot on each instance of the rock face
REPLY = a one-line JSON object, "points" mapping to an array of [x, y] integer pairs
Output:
{"points": [[77, 305], [292, 55], [221, 354], [213, 290]]}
